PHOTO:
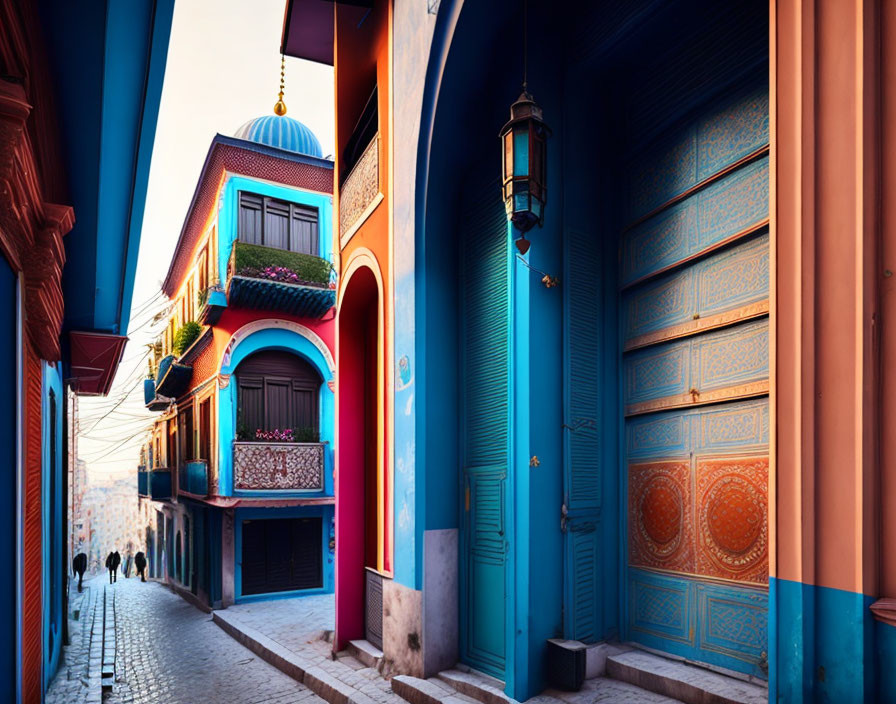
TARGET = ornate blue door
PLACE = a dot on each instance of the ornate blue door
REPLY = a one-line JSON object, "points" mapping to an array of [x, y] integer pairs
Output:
{"points": [[485, 446], [695, 361]]}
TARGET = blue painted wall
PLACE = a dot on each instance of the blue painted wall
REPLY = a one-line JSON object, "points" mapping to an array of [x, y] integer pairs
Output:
{"points": [[273, 339], [326, 513], [54, 569], [823, 646], [885, 651]]}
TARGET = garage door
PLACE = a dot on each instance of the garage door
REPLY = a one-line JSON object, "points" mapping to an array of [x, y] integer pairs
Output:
{"points": [[281, 555]]}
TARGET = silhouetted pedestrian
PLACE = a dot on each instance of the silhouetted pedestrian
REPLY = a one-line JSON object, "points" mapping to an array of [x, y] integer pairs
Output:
{"points": [[140, 564], [79, 564], [112, 563]]}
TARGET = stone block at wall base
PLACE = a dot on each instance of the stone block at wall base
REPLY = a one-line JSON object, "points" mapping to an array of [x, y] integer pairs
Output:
{"points": [[403, 628]]}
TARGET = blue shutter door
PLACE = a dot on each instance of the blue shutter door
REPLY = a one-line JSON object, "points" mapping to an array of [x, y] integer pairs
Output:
{"points": [[485, 340], [582, 490]]}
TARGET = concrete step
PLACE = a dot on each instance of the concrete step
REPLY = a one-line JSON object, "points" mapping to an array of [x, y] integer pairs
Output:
{"points": [[366, 652], [682, 681]]}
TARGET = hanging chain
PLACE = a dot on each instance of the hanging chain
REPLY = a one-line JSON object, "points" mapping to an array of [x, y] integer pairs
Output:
{"points": [[280, 107], [525, 46]]}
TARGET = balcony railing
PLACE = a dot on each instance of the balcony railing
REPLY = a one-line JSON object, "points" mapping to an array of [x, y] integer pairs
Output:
{"points": [[288, 466], [154, 483], [360, 188], [266, 278], [193, 478]]}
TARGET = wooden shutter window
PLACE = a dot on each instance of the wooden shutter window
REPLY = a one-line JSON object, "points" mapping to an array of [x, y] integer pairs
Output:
{"points": [[277, 390], [278, 223]]}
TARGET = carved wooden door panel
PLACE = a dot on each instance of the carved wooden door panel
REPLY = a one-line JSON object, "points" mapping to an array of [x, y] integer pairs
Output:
{"points": [[695, 361]]}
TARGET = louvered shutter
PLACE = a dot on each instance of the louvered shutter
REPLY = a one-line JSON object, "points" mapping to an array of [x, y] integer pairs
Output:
{"points": [[276, 224], [582, 449], [250, 218]]}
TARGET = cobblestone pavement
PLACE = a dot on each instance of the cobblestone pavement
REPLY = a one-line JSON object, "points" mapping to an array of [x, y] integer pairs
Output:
{"points": [[170, 652]]}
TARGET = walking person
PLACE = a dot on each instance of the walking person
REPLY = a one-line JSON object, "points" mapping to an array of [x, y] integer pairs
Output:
{"points": [[112, 563], [79, 564], [140, 564]]}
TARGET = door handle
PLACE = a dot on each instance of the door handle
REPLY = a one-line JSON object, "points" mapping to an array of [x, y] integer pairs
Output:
{"points": [[564, 517]]}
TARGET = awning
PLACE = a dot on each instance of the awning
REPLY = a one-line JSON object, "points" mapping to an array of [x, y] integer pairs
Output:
{"points": [[94, 360], [308, 28]]}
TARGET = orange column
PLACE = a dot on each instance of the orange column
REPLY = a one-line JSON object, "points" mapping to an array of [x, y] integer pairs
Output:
{"points": [[826, 229]]}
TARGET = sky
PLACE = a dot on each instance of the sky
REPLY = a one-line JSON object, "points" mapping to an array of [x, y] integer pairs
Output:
{"points": [[223, 70]]}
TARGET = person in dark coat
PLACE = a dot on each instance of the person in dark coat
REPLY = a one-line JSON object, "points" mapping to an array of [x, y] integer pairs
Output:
{"points": [[112, 563], [79, 564], [140, 564]]}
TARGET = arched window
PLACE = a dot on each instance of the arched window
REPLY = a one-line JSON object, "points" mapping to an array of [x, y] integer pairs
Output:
{"points": [[277, 390]]}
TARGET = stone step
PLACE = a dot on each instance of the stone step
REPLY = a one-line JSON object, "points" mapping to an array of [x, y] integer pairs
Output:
{"points": [[431, 691], [682, 681], [437, 690], [366, 652], [476, 685]]}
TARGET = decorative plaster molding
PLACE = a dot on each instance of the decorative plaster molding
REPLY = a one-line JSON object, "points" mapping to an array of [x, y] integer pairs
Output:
{"points": [[884, 610], [275, 324]]}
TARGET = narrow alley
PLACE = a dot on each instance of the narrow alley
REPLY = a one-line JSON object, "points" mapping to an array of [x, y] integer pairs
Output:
{"points": [[300, 349]]}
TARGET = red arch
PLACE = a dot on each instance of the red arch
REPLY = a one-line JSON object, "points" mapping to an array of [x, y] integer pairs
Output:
{"points": [[357, 462]]}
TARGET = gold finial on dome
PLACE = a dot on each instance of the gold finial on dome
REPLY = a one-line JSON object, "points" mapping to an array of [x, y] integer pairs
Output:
{"points": [[280, 106]]}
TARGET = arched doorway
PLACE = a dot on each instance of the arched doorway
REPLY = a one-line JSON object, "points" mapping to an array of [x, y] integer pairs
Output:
{"points": [[358, 483], [657, 230]]}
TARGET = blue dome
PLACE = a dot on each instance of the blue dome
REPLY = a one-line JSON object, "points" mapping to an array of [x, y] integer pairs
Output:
{"points": [[282, 133]]}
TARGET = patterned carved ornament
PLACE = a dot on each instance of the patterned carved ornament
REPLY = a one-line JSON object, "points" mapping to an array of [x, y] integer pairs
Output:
{"points": [[360, 188], [289, 466]]}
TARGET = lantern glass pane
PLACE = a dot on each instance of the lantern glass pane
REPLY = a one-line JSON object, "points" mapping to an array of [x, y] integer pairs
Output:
{"points": [[521, 202], [536, 208], [508, 155], [520, 151]]}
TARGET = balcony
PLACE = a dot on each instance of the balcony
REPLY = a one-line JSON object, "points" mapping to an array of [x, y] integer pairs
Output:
{"points": [[154, 484], [265, 278], [172, 378], [287, 466], [193, 478], [360, 191], [153, 401], [212, 302]]}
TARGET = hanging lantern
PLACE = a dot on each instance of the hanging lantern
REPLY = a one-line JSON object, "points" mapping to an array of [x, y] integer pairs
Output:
{"points": [[524, 168]]}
